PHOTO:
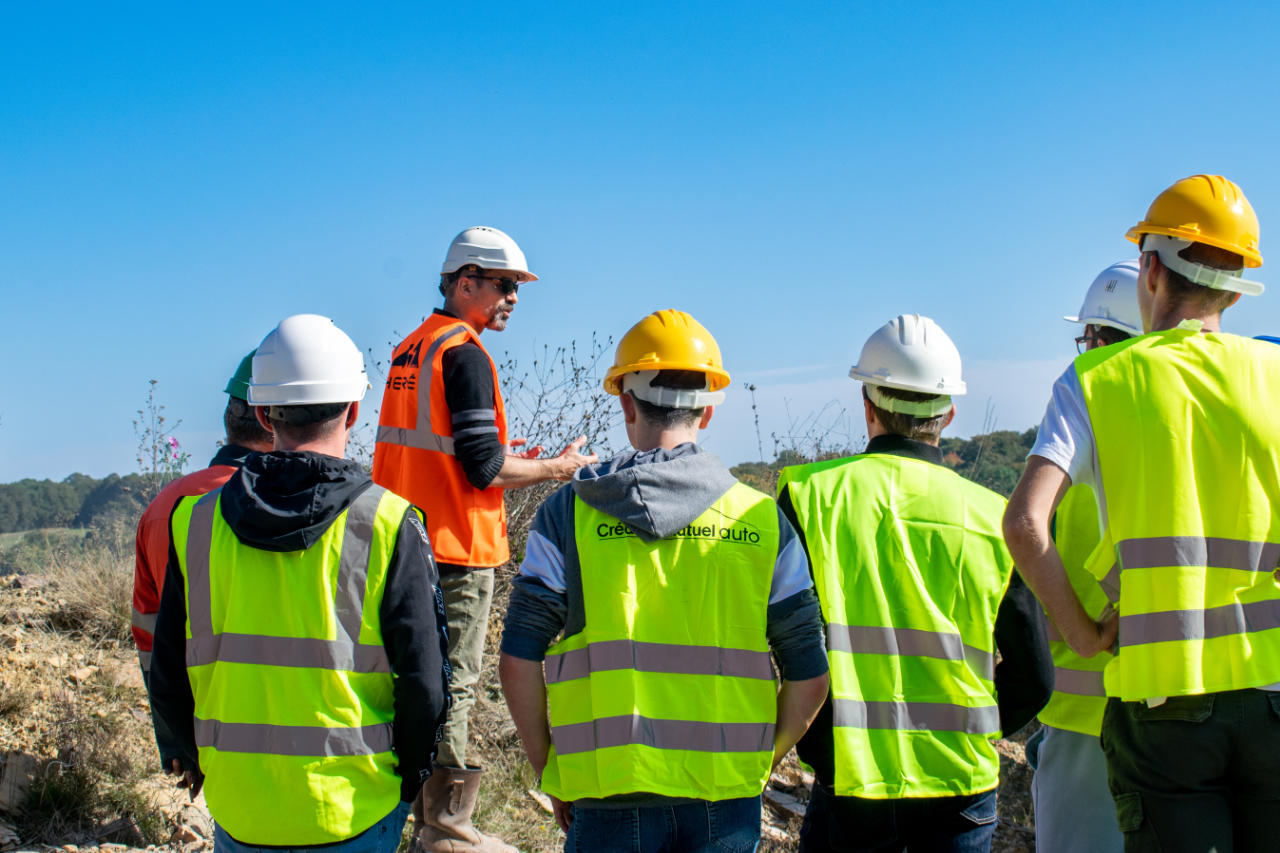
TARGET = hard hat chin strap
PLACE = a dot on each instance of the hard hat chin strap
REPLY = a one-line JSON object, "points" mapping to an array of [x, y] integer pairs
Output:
{"points": [[1167, 248], [639, 384], [916, 408]]}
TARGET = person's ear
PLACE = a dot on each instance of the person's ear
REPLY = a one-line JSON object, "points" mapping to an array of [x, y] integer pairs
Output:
{"points": [[707, 412], [868, 410], [260, 412], [353, 414], [951, 416], [628, 407]]}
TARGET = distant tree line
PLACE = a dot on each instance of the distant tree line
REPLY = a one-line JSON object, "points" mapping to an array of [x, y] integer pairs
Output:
{"points": [[994, 460], [77, 501]]}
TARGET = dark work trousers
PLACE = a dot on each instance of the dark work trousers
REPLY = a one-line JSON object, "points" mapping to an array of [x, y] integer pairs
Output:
{"points": [[1196, 773], [916, 824]]}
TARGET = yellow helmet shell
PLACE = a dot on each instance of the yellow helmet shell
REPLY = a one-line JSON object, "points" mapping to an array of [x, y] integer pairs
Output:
{"points": [[667, 340], [1205, 209]]}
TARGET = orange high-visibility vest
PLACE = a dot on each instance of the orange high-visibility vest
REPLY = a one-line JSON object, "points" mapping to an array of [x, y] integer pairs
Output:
{"points": [[413, 456]]}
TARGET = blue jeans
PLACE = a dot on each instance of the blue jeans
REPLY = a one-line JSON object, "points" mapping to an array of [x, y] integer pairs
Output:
{"points": [[382, 837], [919, 824], [731, 826]]}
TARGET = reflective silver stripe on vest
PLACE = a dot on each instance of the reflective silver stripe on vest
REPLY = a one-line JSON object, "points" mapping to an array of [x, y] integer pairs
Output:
{"points": [[353, 564], [876, 640], [422, 436], [144, 659], [1078, 682], [1213, 552], [313, 741], [916, 716], [199, 541], [657, 657], [413, 438], [1111, 583], [1172, 625], [144, 621], [287, 651], [635, 730], [344, 653]]}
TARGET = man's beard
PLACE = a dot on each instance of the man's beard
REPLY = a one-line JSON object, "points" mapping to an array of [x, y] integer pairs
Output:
{"points": [[498, 321]]}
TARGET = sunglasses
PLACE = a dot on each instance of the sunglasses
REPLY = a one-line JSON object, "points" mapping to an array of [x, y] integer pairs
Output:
{"points": [[507, 286]]}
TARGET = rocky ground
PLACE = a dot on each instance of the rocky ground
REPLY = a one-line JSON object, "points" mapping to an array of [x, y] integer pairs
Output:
{"points": [[79, 769]]}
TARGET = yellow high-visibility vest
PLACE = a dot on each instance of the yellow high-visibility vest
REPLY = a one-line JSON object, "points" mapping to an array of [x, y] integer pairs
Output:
{"points": [[668, 688], [292, 686], [1188, 445], [1079, 697], [910, 566]]}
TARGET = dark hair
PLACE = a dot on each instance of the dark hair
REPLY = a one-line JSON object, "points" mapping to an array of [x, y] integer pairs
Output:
{"points": [[449, 279], [1186, 292], [302, 424], [897, 423], [668, 417], [1110, 334], [241, 425]]}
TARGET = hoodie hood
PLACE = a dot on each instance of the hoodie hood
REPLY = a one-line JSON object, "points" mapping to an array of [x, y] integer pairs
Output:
{"points": [[286, 500], [655, 492]]}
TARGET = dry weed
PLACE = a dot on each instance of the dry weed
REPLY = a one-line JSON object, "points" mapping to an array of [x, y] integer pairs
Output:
{"points": [[93, 758], [95, 586], [15, 697]]}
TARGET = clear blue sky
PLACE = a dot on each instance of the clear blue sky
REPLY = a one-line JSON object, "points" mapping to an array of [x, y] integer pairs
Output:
{"points": [[174, 180]]}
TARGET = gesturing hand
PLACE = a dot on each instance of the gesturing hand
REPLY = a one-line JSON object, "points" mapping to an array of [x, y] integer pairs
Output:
{"points": [[530, 453], [570, 460]]}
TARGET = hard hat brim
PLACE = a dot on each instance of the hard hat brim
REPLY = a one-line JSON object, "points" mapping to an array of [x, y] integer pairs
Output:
{"points": [[1103, 321], [719, 377], [307, 393], [1252, 257], [522, 276], [955, 389]]}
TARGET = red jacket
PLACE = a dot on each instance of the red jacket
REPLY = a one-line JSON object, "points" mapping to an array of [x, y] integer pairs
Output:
{"points": [[152, 545]]}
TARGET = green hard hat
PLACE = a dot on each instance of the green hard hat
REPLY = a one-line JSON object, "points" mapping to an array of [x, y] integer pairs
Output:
{"points": [[238, 385]]}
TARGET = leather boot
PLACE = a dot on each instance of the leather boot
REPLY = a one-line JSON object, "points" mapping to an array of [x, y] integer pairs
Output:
{"points": [[442, 815]]}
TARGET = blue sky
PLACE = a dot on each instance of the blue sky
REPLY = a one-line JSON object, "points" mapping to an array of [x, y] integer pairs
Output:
{"points": [[173, 181]]}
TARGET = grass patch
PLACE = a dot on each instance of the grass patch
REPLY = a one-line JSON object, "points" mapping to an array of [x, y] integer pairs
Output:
{"points": [[89, 788], [15, 699], [95, 586]]}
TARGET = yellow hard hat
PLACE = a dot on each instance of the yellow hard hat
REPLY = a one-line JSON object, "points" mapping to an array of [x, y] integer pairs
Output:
{"points": [[667, 340], [1205, 209]]}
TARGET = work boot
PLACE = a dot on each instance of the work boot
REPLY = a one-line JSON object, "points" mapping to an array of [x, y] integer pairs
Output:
{"points": [[442, 815]]}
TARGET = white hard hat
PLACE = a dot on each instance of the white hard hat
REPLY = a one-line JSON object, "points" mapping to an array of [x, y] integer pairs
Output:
{"points": [[1112, 300], [910, 353], [304, 361], [487, 248]]}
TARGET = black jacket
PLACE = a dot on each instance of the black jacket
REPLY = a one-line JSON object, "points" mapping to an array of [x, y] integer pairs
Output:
{"points": [[1024, 675], [285, 502]]}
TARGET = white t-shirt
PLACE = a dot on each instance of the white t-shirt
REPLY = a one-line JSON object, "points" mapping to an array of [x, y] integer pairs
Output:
{"points": [[1065, 437]]}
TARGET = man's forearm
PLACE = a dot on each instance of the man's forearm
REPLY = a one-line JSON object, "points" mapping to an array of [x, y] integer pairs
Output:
{"points": [[798, 704], [518, 472], [1026, 532], [526, 695], [1041, 566]]}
